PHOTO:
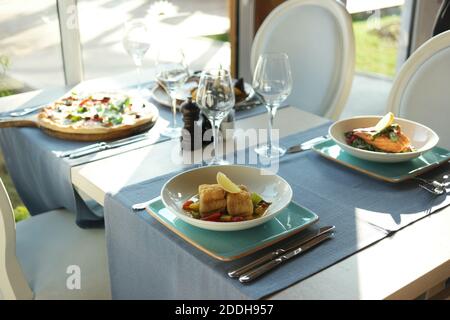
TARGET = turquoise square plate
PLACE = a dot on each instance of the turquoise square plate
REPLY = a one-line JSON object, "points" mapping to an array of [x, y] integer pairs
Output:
{"points": [[391, 172], [231, 245]]}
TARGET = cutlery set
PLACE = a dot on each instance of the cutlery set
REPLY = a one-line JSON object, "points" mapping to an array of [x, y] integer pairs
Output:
{"points": [[307, 145], [20, 118], [275, 258], [101, 146], [432, 186], [25, 111]]}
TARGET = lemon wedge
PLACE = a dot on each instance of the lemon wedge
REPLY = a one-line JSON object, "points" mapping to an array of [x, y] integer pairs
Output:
{"points": [[385, 122], [227, 184]]}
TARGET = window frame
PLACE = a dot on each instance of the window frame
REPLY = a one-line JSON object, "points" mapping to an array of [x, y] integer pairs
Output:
{"points": [[70, 42]]}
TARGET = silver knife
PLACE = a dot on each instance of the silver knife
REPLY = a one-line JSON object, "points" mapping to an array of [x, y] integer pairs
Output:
{"points": [[307, 144], [274, 254], [107, 146], [255, 273], [97, 145], [88, 147]]}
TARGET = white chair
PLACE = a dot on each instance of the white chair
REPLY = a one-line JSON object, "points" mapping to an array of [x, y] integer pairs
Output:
{"points": [[421, 90], [317, 35], [35, 262]]}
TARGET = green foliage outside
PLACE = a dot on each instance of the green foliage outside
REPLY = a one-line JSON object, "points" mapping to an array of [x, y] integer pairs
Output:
{"points": [[4, 65], [376, 48], [223, 37], [20, 212]]}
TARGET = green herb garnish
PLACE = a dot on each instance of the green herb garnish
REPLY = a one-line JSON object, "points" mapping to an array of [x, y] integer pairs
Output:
{"points": [[74, 118], [361, 144], [393, 136], [113, 107], [127, 102], [116, 120]]}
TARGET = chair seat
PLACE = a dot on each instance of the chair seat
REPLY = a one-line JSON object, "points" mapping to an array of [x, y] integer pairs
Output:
{"points": [[47, 244]]}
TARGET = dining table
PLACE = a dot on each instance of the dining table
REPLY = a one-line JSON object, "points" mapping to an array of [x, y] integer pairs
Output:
{"points": [[411, 261]]}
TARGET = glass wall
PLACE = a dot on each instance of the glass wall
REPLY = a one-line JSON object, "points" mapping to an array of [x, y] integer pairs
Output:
{"points": [[199, 27], [377, 29], [30, 59], [30, 51], [381, 30]]}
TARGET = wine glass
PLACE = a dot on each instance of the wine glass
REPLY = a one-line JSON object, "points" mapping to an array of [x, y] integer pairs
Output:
{"points": [[272, 81], [136, 41], [215, 98], [171, 73]]}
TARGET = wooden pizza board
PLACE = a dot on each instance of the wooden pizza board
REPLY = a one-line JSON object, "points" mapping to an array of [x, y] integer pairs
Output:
{"points": [[32, 121]]}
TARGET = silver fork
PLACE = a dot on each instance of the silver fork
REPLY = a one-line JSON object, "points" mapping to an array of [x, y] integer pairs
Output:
{"points": [[25, 111], [433, 186], [141, 205]]}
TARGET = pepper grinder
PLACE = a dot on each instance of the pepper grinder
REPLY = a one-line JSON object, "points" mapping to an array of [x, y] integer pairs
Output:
{"points": [[191, 137]]}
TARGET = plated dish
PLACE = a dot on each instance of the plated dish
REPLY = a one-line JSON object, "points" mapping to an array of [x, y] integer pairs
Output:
{"points": [[225, 202], [97, 113], [242, 206], [385, 136], [243, 92], [383, 139]]}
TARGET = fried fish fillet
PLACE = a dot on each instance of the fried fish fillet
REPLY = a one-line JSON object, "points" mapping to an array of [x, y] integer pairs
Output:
{"points": [[240, 204], [212, 198], [384, 143]]}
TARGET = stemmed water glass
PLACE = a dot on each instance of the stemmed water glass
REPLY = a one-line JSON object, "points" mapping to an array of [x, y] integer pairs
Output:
{"points": [[272, 81], [215, 97], [136, 41], [172, 72]]}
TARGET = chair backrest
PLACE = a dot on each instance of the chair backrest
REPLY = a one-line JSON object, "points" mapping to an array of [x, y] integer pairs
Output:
{"points": [[421, 90], [13, 284], [317, 35]]}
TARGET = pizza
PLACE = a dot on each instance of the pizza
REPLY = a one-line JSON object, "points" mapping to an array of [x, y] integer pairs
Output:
{"points": [[97, 113]]}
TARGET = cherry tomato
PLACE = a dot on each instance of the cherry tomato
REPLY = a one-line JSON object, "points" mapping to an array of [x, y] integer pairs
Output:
{"points": [[212, 217], [84, 101], [187, 204]]}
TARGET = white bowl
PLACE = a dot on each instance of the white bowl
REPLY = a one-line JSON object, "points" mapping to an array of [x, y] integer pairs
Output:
{"points": [[185, 185], [422, 138]]}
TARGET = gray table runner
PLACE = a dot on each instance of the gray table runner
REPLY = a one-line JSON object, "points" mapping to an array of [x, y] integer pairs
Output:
{"points": [[44, 181], [148, 261]]}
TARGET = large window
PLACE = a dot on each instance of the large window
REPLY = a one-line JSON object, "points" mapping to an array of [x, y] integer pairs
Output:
{"points": [[199, 27], [30, 59], [377, 32], [30, 45], [381, 29], [30, 51]]}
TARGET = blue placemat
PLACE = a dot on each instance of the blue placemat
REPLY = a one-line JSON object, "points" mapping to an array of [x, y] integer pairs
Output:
{"points": [[148, 261]]}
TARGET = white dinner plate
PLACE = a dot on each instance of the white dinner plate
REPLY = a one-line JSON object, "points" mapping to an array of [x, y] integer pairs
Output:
{"points": [[160, 95], [422, 138], [184, 186]]}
